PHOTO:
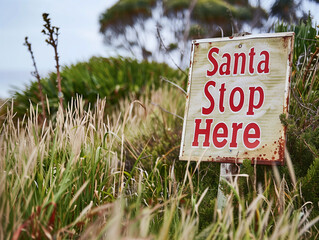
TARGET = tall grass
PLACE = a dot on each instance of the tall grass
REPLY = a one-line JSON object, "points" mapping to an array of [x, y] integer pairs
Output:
{"points": [[92, 176]]}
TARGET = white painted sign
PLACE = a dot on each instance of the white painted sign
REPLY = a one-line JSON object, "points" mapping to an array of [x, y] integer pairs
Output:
{"points": [[238, 87]]}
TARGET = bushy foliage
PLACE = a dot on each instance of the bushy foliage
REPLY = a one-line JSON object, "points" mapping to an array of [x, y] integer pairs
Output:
{"points": [[109, 78], [310, 184], [303, 121]]}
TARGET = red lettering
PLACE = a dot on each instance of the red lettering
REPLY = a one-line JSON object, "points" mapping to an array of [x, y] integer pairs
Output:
{"points": [[202, 131], [241, 99], [236, 64], [251, 134], [251, 105], [247, 136], [210, 98], [225, 65], [221, 98], [217, 135], [235, 127], [243, 62], [213, 61], [265, 62], [251, 60]]}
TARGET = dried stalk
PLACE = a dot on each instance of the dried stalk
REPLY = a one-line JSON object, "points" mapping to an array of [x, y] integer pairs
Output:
{"points": [[53, 32], [309, 65], [36, 74]]}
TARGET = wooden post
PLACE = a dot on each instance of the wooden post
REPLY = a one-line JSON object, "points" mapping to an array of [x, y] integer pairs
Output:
{"points": [[227, 172]]}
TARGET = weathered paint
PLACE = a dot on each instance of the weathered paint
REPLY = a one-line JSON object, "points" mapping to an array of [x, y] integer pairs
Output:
{"points": [[275, 85]]}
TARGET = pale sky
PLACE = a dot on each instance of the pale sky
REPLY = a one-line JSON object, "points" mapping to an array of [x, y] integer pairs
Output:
{"points": [[78, 22], [78, 41], [79, 36]]}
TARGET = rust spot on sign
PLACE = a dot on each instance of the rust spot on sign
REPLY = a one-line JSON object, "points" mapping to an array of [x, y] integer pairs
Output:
{"points": [[285, 41], [281, 150]]}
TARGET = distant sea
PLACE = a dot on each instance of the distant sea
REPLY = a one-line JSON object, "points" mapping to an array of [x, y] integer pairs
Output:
{"points": [[11, 81]]}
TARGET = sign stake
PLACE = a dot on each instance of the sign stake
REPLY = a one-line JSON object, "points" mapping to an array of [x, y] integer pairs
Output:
{"points": [[227, 173]]}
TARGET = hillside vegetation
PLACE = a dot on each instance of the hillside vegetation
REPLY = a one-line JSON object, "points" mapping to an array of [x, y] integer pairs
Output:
{"points": [[109, 78]]}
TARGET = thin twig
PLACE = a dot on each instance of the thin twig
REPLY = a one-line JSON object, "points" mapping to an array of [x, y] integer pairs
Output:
{"points": [[162, 44], [301, 104], [174, 84], [310, 148], [164, 110], [308, 66], [233, 23], [188, 24], [308, 39], [37, 75]]}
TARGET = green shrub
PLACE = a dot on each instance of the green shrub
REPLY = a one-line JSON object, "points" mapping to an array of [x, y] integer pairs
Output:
{"points": [[109, 78], [303, 121], [310, 185]]}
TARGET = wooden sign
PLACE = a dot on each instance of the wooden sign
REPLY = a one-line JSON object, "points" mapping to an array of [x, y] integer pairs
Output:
{"points": [[238, 87]]}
